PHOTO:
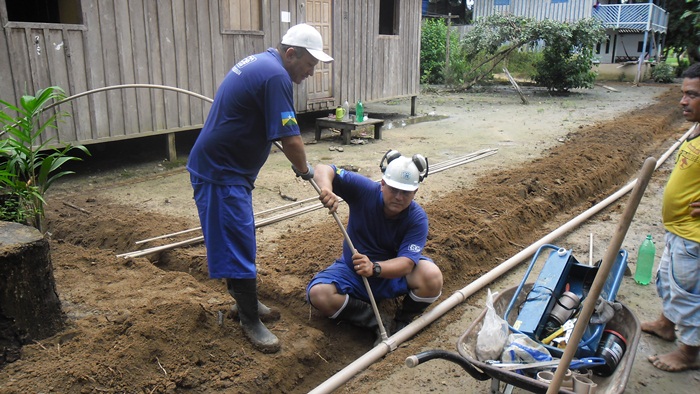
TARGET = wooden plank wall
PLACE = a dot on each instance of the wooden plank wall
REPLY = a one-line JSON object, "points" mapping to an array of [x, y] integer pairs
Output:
{"points": [[370, 66], [180, 43]]}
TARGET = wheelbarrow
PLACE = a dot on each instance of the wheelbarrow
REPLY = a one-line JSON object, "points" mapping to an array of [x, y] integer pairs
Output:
{"points": [[509, 305], [504, 380]]}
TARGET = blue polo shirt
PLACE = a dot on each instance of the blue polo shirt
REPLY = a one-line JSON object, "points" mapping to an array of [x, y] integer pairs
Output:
{"points": [[253, 107]]}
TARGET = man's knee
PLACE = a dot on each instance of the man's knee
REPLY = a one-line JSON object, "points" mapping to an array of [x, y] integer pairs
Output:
{"points": [[321, 297], [428, 279]]}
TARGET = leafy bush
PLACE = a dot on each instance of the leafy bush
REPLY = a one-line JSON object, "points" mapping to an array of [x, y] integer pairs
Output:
{"points": [[27, 166], [433, 51], [568, 55], [663, 73]]}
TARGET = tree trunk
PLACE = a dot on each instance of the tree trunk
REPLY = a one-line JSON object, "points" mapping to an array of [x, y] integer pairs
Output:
{"points": [[29, 305]]}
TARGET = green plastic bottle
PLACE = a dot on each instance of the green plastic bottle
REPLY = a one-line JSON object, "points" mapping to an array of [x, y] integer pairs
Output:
{"points": [[645, 261], [359, 112]]}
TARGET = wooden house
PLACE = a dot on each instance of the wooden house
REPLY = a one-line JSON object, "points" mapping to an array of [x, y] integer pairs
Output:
{"points": [[635, 28], [83, 45]]}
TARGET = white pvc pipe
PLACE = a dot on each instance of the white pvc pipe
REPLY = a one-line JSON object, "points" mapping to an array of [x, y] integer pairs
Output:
{"points": [[459, 296]]}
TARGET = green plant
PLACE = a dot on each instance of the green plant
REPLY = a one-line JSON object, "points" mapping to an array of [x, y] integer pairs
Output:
{"points": [[567, 57], [28, 165], [433, 51], [663, 73]]}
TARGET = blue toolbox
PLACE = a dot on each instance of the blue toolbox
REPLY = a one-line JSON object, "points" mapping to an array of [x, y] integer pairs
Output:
{"points": [[558, 293]]}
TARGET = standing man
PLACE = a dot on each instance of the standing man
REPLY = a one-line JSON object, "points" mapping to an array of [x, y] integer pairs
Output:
{"points": [[389, 231], [678, 277], [252, 108]]}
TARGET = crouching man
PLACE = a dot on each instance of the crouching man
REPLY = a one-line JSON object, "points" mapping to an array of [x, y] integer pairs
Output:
{"points": [[388, 230]]}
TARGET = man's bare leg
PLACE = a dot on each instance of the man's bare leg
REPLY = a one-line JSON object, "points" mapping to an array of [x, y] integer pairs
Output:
{"points": [[661, 327]]}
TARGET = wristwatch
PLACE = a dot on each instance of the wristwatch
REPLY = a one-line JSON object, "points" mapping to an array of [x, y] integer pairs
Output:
{"points": [[376, 270]]}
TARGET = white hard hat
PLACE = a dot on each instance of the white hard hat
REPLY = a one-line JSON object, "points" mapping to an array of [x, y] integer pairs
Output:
{"points": [[401, 173], [306, 36]]}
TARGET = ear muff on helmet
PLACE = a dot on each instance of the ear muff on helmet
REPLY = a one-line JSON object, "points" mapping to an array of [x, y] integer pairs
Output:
{"points": [[388, 157], [422, 166]]}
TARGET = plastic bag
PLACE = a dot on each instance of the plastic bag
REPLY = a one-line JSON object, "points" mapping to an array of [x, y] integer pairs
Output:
{"points": [[493, 334], [522, 349]]}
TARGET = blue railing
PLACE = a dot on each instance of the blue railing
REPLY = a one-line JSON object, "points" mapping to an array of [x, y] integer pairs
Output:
{"points": [[632, 16]]}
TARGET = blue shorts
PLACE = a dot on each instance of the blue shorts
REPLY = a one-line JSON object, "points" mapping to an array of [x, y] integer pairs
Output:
{"points": [[347, 281], [228, 226], [678, 284]]}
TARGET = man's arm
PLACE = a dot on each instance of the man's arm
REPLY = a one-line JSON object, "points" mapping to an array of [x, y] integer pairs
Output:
{"points": [[293, 147], [324, 175], [397, 267]]}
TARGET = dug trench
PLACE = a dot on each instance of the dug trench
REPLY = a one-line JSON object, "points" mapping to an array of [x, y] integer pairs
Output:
{"points": [[157, 324]]}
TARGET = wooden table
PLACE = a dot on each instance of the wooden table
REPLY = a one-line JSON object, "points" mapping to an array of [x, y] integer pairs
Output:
{"points": [[346, 128]]}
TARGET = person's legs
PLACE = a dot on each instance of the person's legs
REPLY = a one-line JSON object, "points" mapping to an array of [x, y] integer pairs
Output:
{"points": [[678, 282], [228, 226], [244, 291], [425, 283], [663, 327]]}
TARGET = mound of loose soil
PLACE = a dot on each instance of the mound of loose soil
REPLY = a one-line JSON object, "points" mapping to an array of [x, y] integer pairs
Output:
{"points": [[158, 325]]}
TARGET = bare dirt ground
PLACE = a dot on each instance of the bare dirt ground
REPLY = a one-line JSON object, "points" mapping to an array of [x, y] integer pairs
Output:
{"points": [[157, 324]]}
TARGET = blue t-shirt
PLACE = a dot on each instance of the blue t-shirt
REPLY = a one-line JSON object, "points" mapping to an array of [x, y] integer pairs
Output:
{"points": [[253, 107], [370, 231]]}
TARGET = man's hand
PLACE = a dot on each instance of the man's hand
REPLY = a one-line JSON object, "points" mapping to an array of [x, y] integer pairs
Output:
{"points": [[308, 175], [329, 199], [362, 264], [695, 209]]}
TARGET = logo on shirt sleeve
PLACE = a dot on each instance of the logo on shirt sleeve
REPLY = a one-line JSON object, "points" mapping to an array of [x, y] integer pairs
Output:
{"points": [[414, 248], [288, 119]]}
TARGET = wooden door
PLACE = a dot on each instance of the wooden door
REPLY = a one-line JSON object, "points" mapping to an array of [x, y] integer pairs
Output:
{"points": [[319, 15]]}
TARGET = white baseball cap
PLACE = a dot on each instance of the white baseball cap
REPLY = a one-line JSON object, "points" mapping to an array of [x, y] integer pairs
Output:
{"points": [[306, 36]]}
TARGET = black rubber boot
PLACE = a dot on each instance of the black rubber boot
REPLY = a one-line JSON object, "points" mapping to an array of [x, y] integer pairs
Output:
{"points": [[267, 315], [245, 293], [361, 314], [409, 310]]}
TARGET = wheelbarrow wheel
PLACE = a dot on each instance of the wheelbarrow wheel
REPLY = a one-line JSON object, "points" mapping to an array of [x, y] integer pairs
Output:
{"points": [[414, 360]]}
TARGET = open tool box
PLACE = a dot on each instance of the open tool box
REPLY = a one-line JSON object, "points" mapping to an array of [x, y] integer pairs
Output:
{"points": [[562, 278]]}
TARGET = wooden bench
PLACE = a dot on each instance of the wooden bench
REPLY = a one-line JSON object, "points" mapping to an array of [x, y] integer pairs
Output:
{"points": [[346, 128]]}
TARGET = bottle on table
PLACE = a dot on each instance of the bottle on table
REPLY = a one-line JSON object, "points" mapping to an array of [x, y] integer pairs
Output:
{"points": [[359, 112]]}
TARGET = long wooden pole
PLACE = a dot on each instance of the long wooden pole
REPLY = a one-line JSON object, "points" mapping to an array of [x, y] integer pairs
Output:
{"points": [[602, 275]]}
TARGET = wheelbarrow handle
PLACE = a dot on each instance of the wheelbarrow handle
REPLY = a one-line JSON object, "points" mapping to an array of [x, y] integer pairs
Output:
{"points": [[414, 360]]}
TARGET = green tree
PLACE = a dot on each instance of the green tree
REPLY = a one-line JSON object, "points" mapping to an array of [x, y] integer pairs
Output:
{"points": [[29, 166], [683, 28], [568, 48]]}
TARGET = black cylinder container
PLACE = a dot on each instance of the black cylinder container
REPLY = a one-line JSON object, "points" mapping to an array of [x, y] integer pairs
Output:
{"points": [[611, 348]]}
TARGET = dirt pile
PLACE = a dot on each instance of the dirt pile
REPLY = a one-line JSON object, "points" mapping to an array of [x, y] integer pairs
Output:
{"points": [[158, 325]]}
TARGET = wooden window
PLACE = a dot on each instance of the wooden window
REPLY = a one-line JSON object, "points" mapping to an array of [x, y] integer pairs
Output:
{"points": [[389, 17], [241, 15], [45, 11], [501, 2]]}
